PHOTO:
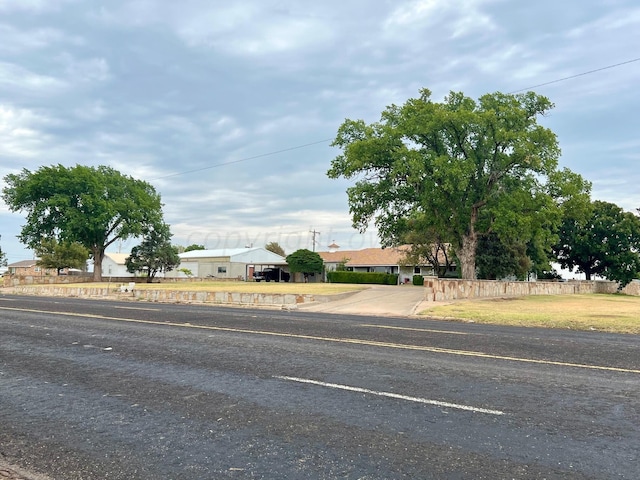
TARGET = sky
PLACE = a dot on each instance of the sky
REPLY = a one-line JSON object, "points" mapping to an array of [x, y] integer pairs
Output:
{"points": [[229, 108]]}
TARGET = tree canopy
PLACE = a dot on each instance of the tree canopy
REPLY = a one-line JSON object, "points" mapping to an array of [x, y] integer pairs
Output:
{"points": [[194, 246], [61, 255], [275, 247], [604, 241], [305, 261], [498, 260], [427, 246], [93, 206], [460, 168], [155, 254]]}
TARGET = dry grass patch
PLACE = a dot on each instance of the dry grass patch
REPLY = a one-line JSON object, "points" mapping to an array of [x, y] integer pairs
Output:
{"points": [[241, 287], [606, 313]]}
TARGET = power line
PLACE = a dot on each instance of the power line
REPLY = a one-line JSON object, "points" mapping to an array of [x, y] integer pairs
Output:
{"points": [[577, 75], [231, 162], [297, 147]]}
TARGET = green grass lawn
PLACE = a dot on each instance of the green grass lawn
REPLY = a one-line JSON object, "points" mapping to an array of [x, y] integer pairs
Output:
{"points": [[606, 313]]}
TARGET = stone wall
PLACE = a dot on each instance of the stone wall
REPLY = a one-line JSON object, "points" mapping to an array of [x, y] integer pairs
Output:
{"points": [[441, 289], [168, 296], [16, 280]]}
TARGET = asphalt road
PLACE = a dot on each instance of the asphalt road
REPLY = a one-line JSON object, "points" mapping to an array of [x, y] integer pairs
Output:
{"points": [[105, 390]]}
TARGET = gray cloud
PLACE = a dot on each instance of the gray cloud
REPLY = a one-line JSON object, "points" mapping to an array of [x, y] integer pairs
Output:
{"points": [[191, 95]]}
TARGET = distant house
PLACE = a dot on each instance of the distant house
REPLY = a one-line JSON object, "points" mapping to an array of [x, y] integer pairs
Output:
{"points": [[113, 265], [384, 260], [236, 263], [30, 268]]}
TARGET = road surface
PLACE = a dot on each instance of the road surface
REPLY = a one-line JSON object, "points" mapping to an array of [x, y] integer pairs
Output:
{"points": [[93, 390]]}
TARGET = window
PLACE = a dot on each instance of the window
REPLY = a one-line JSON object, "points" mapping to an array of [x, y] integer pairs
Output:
{"points": [[416, 270], [222, 269]]}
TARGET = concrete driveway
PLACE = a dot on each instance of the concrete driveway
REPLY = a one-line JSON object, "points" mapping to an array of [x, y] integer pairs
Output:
{"points": [[384, 300]]}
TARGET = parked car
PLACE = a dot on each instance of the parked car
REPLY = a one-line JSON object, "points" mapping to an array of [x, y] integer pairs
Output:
{"points": [[271, 274]]}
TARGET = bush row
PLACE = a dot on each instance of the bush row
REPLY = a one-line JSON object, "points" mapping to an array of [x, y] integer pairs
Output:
{"points": [[362, 277]]}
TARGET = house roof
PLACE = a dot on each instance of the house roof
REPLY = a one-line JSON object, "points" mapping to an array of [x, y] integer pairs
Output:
{"points": [[218, 252], [369, 257], [23, 264], [117, 258], [257, 255]]}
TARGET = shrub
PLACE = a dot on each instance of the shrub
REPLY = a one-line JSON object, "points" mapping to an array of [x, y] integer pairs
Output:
{"points": [[363, 277], [418, 280]]}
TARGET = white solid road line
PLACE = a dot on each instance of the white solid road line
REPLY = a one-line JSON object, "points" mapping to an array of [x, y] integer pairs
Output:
{"points": [[413, 329], [392, 395], [352, 341]]}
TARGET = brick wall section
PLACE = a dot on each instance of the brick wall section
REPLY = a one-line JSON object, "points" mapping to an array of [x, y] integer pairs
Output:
{"points": [[440, 289]]}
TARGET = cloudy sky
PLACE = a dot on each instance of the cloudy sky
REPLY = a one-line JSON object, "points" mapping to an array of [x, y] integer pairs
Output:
{"points": [[229, 108]]}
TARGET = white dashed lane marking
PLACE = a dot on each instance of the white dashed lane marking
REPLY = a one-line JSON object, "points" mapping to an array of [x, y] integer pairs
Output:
{"points": [[396, 396]]}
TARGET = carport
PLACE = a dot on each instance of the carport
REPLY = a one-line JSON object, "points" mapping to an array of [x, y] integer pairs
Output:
{"points": [[229, 263]]}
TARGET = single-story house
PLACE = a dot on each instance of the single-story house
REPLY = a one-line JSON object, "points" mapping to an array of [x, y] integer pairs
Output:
{"points": [[236, 263], [113, 265], [30, 268], [384, 260]]}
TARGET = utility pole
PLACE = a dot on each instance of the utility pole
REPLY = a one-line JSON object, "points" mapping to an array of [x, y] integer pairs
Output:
{"points": [[313, 241]]}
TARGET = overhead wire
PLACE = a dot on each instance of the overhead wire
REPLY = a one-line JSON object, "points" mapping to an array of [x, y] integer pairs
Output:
{"points": [[576, 75], [231, 162], [298, 147]]}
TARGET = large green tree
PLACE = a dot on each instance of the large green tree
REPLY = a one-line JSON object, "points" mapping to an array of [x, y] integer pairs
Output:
{"points": [[462, 168], [305, 261], [61, 255], [604, 241], [155, 254], [94, 206]]}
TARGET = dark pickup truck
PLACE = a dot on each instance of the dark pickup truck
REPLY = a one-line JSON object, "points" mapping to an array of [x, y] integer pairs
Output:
{"points": [[271, 274]]}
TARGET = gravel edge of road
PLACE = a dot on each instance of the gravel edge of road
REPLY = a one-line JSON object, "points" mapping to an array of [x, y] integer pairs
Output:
{"points": [[13, 472]]}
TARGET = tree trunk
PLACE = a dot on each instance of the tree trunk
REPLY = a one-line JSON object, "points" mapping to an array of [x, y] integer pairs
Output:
{"points": [[467, 252], [98, 256], [467, 255]]}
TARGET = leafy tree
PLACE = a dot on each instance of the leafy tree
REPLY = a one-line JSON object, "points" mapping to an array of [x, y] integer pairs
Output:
{"points": [[187, 272], [61, 255], [194, 246], [341, 266], [3, 258], [427, 246], [496, 259], [94, 206], [603, 241], [305, 261], [461, 168], [275, 248], [155, 254]]}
